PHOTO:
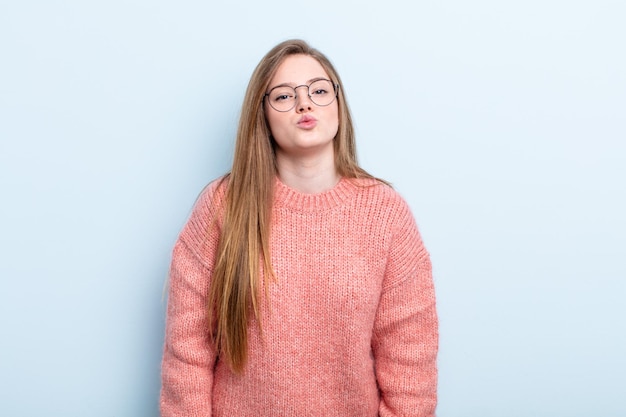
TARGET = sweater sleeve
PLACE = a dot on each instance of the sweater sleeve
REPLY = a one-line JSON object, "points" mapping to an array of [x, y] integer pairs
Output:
{"points": [[188, 356], [405, 338]]}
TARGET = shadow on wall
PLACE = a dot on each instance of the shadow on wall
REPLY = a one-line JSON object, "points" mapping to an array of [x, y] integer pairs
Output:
{"points": [[148, 404]]}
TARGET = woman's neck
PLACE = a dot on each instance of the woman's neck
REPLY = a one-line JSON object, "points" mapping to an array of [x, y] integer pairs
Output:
{"points": [[308, 175]]}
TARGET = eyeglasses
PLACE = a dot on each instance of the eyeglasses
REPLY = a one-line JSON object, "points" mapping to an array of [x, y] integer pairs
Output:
{"points": [[322, 92]]}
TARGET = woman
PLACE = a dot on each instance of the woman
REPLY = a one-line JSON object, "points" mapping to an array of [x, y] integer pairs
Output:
{"points": [[300, 285]]}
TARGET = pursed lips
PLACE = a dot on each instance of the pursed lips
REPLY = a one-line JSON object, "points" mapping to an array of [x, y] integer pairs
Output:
{"points": [[307, 122]]}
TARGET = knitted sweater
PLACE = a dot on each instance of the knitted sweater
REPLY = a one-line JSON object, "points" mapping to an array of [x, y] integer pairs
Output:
{"points": [[349, 328]]}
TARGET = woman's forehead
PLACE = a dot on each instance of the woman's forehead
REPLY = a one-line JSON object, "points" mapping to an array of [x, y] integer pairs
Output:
{"points": [[298, 70]]}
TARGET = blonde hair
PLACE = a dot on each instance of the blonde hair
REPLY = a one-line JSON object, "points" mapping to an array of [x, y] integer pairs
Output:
{"points": [[244, 250]]}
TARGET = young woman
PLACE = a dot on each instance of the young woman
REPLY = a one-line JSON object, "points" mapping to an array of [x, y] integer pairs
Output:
{"points": [[300, 285]]}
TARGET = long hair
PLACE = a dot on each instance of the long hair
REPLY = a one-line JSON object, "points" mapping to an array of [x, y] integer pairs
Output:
{"points": [[243, 253]]}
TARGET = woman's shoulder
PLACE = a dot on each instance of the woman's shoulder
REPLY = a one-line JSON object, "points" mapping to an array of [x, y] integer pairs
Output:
{"points": [[206, 214], [377, 189], [212, 195], [381, 198]]}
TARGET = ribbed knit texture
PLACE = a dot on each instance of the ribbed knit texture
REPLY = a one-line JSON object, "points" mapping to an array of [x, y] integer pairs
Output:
{"points": [[350, 327]]}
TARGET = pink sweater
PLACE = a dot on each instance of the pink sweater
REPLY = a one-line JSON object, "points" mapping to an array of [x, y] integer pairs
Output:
{"points": [[350, 328]]}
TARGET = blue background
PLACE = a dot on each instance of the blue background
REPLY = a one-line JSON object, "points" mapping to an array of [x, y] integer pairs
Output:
{"points": [[502, 124]]}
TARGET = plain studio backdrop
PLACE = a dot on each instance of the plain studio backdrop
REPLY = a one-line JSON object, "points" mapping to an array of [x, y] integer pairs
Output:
{"points": [[502, 123]]}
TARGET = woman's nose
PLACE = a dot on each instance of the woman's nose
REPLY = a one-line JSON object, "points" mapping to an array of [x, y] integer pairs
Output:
{"points": [[303, 101]]}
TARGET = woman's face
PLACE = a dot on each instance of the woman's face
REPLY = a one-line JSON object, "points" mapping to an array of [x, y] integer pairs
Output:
{"points": [[308, 128]]}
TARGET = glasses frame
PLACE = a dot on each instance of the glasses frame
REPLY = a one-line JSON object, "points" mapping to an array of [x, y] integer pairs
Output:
{"points": [[308, 93]]}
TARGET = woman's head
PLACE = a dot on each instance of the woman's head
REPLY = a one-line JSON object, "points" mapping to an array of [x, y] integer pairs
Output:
{"points": [[254, 139], [301, 110]]}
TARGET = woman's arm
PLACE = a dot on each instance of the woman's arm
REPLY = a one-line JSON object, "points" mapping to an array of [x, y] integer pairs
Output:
{"points": [[405, 340], [188, 357]]}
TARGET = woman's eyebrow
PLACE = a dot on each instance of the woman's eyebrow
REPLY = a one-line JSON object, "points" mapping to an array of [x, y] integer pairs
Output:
{"points": [[312, 80], [292, 84]]}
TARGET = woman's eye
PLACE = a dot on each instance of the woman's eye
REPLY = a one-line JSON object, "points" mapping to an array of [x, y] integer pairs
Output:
{"points": [[282, 97], [319, 91]]}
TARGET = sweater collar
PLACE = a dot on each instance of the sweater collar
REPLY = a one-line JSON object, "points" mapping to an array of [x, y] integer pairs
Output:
{"points": [[287, 197]]}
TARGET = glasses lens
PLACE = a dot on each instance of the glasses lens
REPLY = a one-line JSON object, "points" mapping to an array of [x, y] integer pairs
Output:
{"points": [[282, 98], [322, 92]]}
